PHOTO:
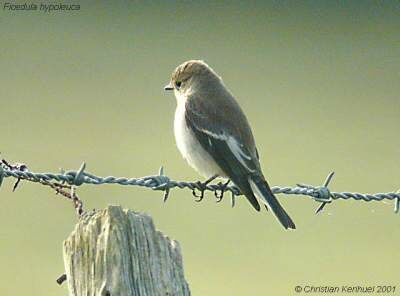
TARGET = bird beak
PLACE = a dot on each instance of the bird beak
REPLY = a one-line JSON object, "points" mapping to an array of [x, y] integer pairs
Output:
{"points": [[168, 87]]}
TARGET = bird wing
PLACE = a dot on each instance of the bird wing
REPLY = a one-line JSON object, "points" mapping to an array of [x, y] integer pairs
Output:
{"points": [[229, 142]]}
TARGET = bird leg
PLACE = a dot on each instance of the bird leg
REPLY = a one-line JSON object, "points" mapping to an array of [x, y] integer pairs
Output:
{"points": [[202, 187], [223, 187]]}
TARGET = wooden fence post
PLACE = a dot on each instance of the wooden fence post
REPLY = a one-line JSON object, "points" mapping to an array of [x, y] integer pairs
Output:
{"points": [[116, 252]]}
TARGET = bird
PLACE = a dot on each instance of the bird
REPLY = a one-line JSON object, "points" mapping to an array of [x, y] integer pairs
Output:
{"points": [[214, 136]]}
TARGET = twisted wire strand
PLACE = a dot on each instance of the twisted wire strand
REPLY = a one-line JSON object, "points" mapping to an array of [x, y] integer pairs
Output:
{"points": [[161, 182]]}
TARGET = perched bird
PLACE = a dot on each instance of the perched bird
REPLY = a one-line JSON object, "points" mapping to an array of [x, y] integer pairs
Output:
{"points": [[213, 134]]}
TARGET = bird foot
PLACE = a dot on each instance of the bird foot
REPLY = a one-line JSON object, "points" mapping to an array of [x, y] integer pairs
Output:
{"points": [[219, 196], [202, 187]]}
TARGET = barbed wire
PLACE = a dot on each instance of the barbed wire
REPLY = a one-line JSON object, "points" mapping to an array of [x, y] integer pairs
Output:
{"points": [[65, 183]]}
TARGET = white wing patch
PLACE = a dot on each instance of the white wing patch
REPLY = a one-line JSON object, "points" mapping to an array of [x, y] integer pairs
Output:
{"points": [[233, 145], [214, 135], [236, 149]]}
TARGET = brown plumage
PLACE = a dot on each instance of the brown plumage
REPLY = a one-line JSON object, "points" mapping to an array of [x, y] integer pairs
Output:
{"points": [[214, 135]]}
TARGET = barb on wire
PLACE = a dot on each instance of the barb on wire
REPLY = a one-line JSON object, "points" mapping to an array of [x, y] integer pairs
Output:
{"points": [[18, 166], [67, 191], [65, 183], [324, 195]]}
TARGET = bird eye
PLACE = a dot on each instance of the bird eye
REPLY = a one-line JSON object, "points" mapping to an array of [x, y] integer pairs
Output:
{"points": [[178, 84]]}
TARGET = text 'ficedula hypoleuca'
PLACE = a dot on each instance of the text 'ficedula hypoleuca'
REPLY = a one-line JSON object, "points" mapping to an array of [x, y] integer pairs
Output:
{"points": [[214, 136]]}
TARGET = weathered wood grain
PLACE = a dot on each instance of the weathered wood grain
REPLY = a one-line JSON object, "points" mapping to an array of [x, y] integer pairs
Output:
{"points": [[119, 252]]}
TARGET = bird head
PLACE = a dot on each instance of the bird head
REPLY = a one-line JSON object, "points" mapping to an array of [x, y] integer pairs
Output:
{"points": [[190, 74]]}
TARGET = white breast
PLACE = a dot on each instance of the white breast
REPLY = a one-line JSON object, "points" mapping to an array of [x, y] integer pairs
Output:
{"points": [[190, 148]]}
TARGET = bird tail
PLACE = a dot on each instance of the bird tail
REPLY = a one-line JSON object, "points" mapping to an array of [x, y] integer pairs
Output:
{"points": [[261, 189]]}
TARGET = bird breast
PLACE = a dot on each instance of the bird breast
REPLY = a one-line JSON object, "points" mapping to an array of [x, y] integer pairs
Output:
{"points": [[191, 149]]}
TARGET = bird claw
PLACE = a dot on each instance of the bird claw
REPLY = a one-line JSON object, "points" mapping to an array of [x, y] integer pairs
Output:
{"points": [[220, 196], [222, 190], [199, 197], [202, 187]]}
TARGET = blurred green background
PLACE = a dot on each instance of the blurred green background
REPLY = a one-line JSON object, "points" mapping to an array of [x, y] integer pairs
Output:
{"points": [[319, 81]]}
